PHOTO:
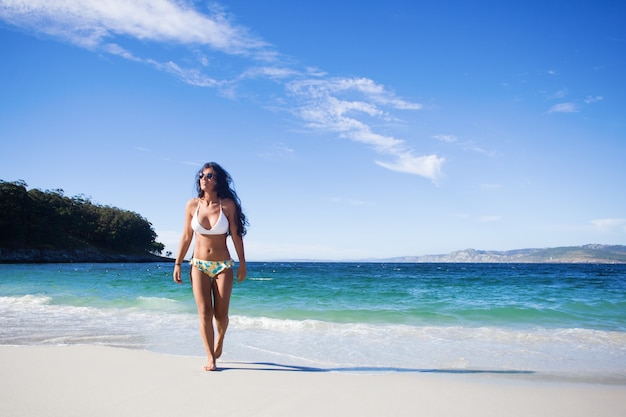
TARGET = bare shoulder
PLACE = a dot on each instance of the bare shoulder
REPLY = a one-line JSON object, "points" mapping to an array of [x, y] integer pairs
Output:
{"points": [[192, 204], [228, 205]]}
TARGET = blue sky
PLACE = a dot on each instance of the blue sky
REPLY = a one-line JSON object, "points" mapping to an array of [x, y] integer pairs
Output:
{"points": [[352, 129]]}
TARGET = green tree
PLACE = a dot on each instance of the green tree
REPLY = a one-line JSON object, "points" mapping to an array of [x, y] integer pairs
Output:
{"points": [[38, 219], [14, 207]]}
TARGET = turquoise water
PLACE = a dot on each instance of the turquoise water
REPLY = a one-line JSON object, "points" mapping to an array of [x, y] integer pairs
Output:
{"points": [[557, 319]]}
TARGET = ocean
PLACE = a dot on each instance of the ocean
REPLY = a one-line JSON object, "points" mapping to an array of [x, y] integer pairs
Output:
{"points": [[559, 320]]}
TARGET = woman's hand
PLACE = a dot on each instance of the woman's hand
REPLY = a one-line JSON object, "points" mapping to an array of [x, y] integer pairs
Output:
{"points": [[241, 272], [177, 278]]}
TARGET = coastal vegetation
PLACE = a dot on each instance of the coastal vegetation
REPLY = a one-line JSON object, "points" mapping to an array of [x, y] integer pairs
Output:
{"points": [[49, 220]]}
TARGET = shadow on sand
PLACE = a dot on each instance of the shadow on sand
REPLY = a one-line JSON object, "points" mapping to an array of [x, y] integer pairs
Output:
{"points": [[270, 366]]}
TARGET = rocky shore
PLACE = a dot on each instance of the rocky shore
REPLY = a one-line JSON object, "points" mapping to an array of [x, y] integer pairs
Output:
{"points": [[88, 255]]}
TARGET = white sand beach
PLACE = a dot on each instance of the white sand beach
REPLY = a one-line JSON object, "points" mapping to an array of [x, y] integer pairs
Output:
{"points": [[103, 381]]}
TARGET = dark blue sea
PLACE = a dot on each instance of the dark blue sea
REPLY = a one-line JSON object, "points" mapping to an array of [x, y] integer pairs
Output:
{"points": [[552, 319]]}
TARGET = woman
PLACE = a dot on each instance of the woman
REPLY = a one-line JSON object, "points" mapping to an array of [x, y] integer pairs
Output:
{"points": [[212, 216]]}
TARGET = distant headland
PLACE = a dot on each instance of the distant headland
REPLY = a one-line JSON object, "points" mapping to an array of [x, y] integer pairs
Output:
{"points": [[586, 254]]}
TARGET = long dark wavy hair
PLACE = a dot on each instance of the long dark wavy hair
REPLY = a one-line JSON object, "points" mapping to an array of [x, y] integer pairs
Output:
{"points": [[225, 189]]}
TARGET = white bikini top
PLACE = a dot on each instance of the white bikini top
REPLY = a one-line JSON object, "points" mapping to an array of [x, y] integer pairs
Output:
{"points": [[219, 228]]}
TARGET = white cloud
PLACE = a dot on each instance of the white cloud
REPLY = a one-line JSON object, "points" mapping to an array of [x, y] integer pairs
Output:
{"points": [[91, 23], [559, 94], [277, 72], [191, 76], [278, 150], [593, 99], [191, 163], [564, 108], [115, 49], [465, 145], [428, 166], [346, 106], [375, 93], [446, 138], [381, 143]]}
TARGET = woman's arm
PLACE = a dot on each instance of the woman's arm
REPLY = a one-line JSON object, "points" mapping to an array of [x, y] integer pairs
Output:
{"points": [[233, 222], [185, 240], [238, 243]]}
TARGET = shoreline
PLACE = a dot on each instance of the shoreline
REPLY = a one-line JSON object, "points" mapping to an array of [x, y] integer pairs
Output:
{"points": [[88, 255], [103, 381], [590, 254]]}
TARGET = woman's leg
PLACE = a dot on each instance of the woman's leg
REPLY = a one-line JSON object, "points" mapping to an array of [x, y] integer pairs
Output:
{"points": [[222, 289], [202, 287]]}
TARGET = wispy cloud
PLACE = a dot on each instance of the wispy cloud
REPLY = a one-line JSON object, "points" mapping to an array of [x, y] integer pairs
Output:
{"points": [[93, 23], [466, 145], [191, 163], [347, 106], [571, 107], [428, 166], [562, 93], [593, 99], [277, 151], [564, 108], [446, 138]]}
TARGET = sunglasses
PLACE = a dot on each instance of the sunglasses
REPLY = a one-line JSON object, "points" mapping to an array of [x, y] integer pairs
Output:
{"points": [[208, 175]]}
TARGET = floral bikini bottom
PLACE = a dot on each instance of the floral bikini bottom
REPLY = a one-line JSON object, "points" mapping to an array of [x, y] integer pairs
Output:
{"points": [[212, 268]]}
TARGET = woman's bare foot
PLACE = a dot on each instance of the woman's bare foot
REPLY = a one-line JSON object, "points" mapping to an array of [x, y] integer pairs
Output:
{"points": [[210, 367]]}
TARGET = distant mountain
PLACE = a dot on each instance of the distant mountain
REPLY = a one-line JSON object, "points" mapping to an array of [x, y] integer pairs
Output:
{"points": [[589, 254]]}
